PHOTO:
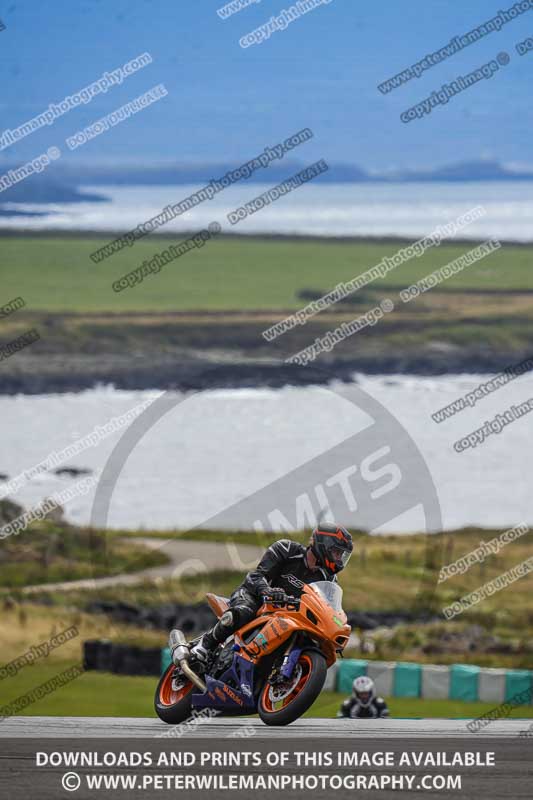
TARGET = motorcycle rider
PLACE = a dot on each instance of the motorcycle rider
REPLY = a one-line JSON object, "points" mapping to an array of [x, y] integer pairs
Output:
{"points": [[283, 570], [363, 703]]}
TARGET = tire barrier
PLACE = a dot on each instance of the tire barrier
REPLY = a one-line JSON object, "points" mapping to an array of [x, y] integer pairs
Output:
{"points": [[195, 619], [121, 659], [90, 654], [191, 620], [392, 679]]}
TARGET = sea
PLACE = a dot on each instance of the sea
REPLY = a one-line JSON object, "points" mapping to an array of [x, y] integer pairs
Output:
{"points": [[214, 449], [328, 210]]}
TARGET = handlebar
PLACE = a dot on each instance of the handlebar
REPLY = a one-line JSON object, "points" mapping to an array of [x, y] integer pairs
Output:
{"points": [[290, 603]]}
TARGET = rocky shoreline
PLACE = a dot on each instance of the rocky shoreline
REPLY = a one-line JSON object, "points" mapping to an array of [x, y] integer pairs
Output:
{"points": [[76, 373]]}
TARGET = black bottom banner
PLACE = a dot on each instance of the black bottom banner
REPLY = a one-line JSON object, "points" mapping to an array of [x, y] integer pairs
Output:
{"points": [[470, 767]]}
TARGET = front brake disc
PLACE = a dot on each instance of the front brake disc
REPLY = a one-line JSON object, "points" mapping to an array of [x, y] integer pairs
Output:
{"points": [[282, 690]]}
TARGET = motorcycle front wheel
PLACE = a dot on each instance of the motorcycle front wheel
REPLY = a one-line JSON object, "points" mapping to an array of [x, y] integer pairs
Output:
{"points": [[284, 703], [173, 705]]}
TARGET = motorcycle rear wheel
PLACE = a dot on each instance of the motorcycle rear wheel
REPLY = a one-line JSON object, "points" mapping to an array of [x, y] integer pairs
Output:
{"points": [[173, 706], [301, 696]]}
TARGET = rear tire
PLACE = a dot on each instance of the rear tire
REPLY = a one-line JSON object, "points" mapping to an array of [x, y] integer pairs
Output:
{"points": [[171, 706], [314, 671]]}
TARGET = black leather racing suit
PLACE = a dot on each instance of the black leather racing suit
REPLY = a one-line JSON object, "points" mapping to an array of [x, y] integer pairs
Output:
{"points": [[283, 566], [352, 708]]}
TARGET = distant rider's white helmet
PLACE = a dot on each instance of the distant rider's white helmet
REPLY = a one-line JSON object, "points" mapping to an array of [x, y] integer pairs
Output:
{"points": [[364, 690]]}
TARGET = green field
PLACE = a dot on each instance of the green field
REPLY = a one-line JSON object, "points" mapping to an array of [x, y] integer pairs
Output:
{"points": [[57, 274], [212, 306], [99, 694]]}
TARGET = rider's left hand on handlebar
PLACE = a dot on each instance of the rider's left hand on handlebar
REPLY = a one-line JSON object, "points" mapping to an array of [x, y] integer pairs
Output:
{"points": [[277, 595]]}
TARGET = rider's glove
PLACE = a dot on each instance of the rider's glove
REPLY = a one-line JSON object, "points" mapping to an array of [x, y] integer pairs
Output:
{"points": [[277, 595]]}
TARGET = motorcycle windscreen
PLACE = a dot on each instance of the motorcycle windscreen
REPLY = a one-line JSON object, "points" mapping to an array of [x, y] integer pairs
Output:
{"points": [[330, 592]]}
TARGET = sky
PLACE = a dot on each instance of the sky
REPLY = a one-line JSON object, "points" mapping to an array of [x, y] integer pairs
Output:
{"points": [[225, 103]]}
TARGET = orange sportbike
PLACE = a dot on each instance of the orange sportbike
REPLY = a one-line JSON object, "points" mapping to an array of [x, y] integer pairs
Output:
{"points": [[274, 665]]}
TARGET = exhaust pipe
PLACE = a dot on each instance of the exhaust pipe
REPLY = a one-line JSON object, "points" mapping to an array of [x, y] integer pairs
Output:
{"points": [[178, 646], [180, 657]]}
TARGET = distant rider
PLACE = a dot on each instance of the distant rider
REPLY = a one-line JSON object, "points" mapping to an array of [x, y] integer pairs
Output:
{"points": [[363, 703], [284, 570]]}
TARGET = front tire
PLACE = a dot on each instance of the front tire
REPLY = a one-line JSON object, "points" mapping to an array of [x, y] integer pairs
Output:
{"points": [[301, 696], [172, 706]]}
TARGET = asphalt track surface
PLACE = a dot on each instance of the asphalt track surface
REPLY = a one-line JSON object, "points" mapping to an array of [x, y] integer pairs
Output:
{"points": [[130, 727]]}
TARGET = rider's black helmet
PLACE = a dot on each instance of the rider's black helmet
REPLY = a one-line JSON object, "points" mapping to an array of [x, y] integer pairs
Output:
{"points": [[332, 546]]}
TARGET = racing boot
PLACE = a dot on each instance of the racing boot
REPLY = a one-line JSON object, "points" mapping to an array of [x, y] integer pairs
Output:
{"points": [[203, 650]]}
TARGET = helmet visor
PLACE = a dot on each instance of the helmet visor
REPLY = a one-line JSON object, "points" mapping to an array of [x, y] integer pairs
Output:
{"points": [[339, 556]]}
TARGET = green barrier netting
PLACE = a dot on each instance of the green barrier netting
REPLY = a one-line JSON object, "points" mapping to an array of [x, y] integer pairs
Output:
{"points": [[407, 680], [348, 671], [519, 682], [464, 680], [165, 658]]}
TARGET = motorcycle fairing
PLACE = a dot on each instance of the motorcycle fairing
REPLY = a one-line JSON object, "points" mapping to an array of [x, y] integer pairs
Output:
{"points": [[272, 632], [221, 696]]}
